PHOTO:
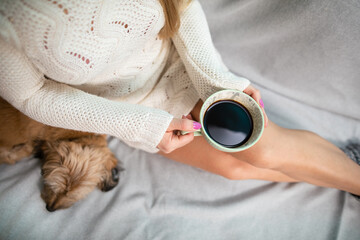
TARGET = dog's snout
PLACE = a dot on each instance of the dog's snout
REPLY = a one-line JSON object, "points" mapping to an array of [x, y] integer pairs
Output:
{"points": [[110, 183], [50, 208], [115, 174]]}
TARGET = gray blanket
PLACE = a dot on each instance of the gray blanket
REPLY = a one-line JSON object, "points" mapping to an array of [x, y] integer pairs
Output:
{"points": [[304, 56]]}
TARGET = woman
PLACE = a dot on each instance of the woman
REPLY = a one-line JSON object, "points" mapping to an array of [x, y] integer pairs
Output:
{"points": [[110, 67]]}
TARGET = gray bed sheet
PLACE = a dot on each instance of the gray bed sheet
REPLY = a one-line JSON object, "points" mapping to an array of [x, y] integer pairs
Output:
{"points": [[304, 56]]}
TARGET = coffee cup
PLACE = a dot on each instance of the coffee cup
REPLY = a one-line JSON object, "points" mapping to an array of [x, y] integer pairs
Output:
{"points": [[231, 121]]}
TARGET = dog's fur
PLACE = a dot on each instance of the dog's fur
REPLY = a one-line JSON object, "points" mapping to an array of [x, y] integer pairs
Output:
{"points": [[73, 163]]}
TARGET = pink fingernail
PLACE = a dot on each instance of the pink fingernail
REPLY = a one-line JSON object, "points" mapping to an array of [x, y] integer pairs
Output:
{"points": [[261, 103], [196, 125]]}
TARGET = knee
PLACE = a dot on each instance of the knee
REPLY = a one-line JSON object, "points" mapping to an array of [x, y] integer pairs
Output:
{"points": [[239, 170], [276, 155], [261, 157], [235, 173]]}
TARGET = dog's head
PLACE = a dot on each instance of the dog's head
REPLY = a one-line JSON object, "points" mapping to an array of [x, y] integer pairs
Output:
{"points": [[72, 169]]}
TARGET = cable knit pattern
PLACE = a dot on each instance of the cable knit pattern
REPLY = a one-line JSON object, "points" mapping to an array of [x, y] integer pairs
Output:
{"points": [[99, 66], [203, 63]]}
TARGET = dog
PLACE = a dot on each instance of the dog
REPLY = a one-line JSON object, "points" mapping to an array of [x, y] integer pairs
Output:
{"points": [[73, 163]]}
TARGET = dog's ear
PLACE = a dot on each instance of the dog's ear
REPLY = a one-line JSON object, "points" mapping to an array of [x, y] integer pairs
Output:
{"points": [[62, 148], [50, 157], [54, 149]]}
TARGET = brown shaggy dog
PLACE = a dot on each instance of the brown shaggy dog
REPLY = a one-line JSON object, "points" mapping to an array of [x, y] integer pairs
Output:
{"points": [[73, 163]]}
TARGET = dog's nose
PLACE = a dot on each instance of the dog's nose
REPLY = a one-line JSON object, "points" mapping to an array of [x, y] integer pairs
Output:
{"points": [[49, 208], [115, 174], [111, 183]]}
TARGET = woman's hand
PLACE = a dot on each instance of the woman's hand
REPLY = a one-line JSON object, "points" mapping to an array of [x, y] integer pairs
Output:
{"points": [[172, 138], [255, 94]]}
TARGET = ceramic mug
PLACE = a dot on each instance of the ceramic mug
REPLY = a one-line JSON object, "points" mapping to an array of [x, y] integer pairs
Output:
{"points": [[252, 109]]}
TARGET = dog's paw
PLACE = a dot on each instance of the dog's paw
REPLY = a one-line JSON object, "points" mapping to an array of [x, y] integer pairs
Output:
{"points": [[15, 154]]}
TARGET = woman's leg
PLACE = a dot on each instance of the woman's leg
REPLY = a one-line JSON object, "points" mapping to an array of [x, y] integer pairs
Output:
{"points": [[304, 156], [201, 155], [280, 155]]}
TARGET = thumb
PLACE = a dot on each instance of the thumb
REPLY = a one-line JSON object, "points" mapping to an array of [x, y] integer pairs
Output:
{"points": [[183, 125]]}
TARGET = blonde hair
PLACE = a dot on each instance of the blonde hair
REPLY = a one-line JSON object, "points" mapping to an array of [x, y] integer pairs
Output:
{"points": [[172, 10]]}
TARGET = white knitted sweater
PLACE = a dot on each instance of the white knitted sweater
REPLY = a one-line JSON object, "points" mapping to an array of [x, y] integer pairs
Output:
{"points": [[63, 63]]}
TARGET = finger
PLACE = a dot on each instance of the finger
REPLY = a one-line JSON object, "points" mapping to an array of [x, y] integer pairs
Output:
{"points": [[187, 117], [266, 119], [184, 125], [254, 93], [171, 141], [249, 90], [179, 141]]}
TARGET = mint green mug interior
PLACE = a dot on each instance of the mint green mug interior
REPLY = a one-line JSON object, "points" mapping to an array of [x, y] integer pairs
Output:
{"points": [[249, 103]]}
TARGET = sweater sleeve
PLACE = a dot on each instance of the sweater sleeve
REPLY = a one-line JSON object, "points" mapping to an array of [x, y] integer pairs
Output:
{"points": [[60, 105], [202, 61]]}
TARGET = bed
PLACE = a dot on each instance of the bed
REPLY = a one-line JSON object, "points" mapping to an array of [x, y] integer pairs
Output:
{"points": [[304, 57]]}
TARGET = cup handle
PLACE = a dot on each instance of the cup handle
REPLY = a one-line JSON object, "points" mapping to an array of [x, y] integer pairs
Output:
{"points": [[196, 133]]}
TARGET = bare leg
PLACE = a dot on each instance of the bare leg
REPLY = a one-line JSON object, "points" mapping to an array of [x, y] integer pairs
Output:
{"points": [[201, 155], [304, 156], [280, 155]]}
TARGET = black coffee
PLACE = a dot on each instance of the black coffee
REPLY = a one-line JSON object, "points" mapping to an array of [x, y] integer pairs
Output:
{"points": [[228, 123]]}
